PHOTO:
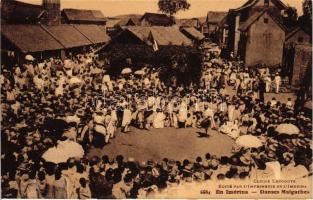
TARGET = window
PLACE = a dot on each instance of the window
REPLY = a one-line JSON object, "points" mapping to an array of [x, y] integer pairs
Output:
{"points": [[300, 39], [266, 2], [266, 20]]}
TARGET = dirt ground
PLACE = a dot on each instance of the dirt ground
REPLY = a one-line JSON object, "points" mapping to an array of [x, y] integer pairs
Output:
{"points": [[172, 143]]}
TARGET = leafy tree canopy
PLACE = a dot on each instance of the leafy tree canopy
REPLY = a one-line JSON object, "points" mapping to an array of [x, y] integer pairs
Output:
{"points": [[291, 17], [171, 7], [181, 62], [307, 8]]}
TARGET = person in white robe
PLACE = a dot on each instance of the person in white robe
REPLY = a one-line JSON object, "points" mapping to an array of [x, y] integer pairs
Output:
{"points": [[182, 114], [109, 127], [146, 82], [234, 130], [127, 117], [230, 112], [30, 70], [59, 91], [169, 109], [209, 113], [237, 83], [231, 129], [100, 131], [273, 102], [72, 118], [110, 121], [157, 104], [232, 78], [158, 121], [39, 82], [277, 83], [151, 101], [110, 86], [11, 95]]}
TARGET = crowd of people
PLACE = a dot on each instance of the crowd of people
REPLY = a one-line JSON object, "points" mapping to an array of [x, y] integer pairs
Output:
{"points": [[75, 99]]}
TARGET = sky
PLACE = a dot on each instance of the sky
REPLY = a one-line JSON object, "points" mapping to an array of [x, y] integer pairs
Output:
{"points": [[198, 8]]}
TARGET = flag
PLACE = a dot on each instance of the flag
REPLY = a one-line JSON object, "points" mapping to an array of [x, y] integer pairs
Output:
{"points": [[155, 45]]}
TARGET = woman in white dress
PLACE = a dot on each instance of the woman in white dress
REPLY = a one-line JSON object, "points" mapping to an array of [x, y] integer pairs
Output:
{"points": [[99, 130], [127, 117], [110, 126], [268, 82], [159, 118], [182, 115]]}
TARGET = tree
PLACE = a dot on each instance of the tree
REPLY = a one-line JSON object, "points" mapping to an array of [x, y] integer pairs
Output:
{"points": [[305, 21], [171, 7], [119, 54], [307, 8], [183, 63], [291, 17]]}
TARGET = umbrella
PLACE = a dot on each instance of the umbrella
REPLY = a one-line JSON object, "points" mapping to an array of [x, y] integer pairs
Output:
{"points": [[249, 141], [72, 149], [126, 71], [288, 129], [55, 155], [140, 72], [29, 57], [63, 151]]}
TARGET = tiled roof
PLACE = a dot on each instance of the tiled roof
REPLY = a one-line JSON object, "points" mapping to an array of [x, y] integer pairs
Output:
{"points": [[37, 38], [256, 15], [294, 31], [112, 22], [162, 35], [84, 15], [194, 33], [215, 17], [19, 12], [157, 19], [250, 21], [93, 33], [169, 36], [187, 22], [251, 3], [131, 21], [29, 38], [68, 36]]}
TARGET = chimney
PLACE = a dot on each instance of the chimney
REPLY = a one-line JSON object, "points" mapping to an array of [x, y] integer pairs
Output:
{"points": [[53, 12]]}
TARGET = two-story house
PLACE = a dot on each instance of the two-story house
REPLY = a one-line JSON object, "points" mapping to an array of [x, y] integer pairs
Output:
{"points": [[255, 31]]}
